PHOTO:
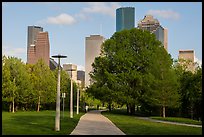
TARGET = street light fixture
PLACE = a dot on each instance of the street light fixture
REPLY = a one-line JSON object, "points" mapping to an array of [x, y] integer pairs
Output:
{"points": [[57, 117], [63, 97], [71, 95], [78, 84]]}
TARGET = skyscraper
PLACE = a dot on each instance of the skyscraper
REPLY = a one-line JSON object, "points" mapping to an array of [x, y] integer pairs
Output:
{"points": [[43, 47], [38, 45], [187, 55], [153, 25], [92, 50], [81, 77], [125, 18], [31, 39]]}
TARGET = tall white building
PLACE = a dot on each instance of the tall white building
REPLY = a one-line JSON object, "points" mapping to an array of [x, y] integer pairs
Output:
{"points": [[92, 50], [71, 69], [187, 55]]}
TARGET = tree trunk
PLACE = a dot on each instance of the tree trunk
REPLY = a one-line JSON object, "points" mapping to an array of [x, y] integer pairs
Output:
{"points": [[191, 111], [163, 109], [16, 107], [26, 106], [103, 104], [38, 106], [132, 109], [127, 109], [109, 106], [10, 107], [13, 105]]}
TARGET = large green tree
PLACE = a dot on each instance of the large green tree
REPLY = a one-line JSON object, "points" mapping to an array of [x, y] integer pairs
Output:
{"points": [[125, 70]]}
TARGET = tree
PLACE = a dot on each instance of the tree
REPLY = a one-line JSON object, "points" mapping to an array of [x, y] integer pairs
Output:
{"points": [[44, 83], [190, 89], [15, 82], [7, 93], [125, 70], [102, 88], [164, 91], [197, 86]]}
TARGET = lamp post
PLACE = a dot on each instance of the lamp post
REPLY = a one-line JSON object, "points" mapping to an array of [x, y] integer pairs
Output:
{"points": [[57, 117], [71, 97], [77, 101], [63, 96], [78, 84]]}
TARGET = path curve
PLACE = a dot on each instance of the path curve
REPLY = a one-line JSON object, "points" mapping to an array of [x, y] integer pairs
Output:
{"points": [[94, 123], [168, 122]]}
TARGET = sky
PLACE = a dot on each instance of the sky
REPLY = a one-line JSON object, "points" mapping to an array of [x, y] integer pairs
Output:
{"points": [[68, 23]]}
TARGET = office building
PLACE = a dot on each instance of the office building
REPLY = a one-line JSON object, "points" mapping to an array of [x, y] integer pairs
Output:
{"points": [[81, 77], [186, 58], [38, 45], [31, 39], [43, 47], [71, 69], [151, 24], [125, 18], [31, 54], [92, 49]]}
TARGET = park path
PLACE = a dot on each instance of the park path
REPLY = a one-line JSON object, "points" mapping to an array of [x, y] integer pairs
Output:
{"points": [[168, 122], [94, 123]]}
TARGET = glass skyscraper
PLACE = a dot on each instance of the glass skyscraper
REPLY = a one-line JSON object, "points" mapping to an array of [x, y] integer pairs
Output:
{"points": [[125, 18]]}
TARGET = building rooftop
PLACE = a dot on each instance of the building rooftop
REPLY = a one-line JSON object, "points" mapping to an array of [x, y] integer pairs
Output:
{"points": [[125, 7], [187, 50]]}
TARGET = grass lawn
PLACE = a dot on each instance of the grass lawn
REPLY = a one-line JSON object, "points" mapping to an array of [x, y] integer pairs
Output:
{"points": [[131, 125], [180, 120], [37, 123]]}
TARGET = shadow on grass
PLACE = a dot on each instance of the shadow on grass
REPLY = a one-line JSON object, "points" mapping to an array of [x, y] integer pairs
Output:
{"points": [[38, 124], [35, 121]]}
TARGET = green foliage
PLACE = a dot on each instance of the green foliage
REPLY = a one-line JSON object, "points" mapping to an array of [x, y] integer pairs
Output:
{"points": [[32, 86], [44, 84], [15, 81], [191, 92], [132, 66]]}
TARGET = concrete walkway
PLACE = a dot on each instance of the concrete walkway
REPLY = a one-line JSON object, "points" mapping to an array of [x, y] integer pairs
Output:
{"points": [[168, 122], [94, 123]]}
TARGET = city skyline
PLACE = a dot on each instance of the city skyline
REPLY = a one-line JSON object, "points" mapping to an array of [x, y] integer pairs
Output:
{"points": [[68, 24]]}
